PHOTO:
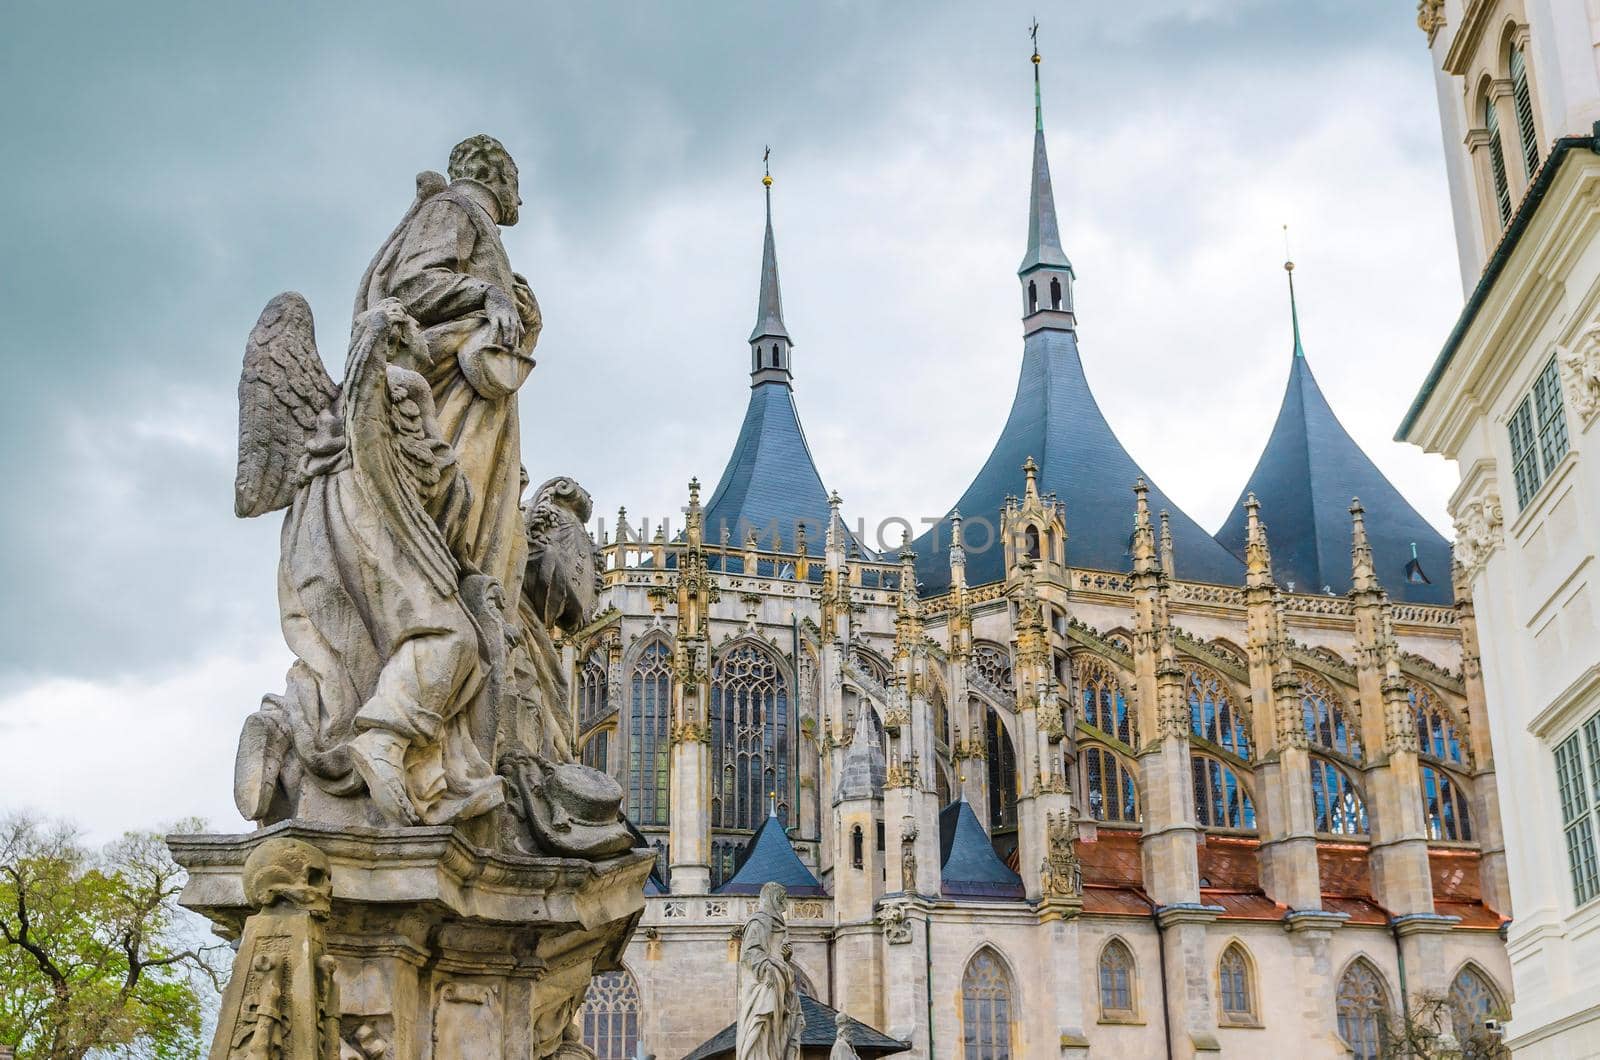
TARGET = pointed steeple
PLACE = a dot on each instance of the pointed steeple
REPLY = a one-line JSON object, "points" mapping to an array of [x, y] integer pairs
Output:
{"points": [[769, 339], [1045, 272], [1294, 313]]}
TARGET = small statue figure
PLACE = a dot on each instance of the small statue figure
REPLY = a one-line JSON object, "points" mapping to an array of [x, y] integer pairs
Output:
{"points": [[1062, 871], [262, 1025], [842, 1049], [770, 1020]]}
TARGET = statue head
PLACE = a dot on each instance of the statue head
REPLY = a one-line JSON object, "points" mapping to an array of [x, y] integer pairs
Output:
{"points": [[484, 159], [773, 896]]}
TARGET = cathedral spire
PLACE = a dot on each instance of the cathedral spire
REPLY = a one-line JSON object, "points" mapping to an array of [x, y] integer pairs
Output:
{"points": [[1045, 272], [769, 339]]}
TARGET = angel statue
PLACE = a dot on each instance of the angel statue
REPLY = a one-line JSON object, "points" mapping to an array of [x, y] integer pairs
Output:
{"points": [[418, 596], [770, 1020]]}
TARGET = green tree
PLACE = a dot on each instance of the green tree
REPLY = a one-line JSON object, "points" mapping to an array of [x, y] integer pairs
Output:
{"points": [[95, 953]]}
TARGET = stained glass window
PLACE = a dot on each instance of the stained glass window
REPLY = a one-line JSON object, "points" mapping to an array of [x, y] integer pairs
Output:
{"points": [[1473, 999], [1445, 806], [750, 739], [610, 1016], [1116, 981], [650, 707], [1212, 713], [592, 705], [986, 1003], [1326, 723], [1109, 788], [1237, 992], [1436, 729], [1362, 1002], [1105, 705], [1220, 800], [1338, 806], [1002, 765]]}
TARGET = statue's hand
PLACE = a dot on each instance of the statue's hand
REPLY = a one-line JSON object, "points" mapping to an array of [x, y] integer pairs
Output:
{"points": [[504, 318]]}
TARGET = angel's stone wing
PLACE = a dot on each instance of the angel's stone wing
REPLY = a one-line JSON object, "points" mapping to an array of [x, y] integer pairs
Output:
{"points": [[282, 391]]}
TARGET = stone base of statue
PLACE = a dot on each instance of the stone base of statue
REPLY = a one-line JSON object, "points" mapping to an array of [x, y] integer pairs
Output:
{"points": [[432, 947]]}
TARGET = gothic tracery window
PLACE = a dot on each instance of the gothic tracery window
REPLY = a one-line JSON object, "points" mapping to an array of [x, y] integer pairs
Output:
{"points": [[1473, 999], [1444, 804], [592, 690], [1362, 1003], [1105, 705], [1444, 795], [1108, 786], [750, 737], [1116, 977], [1001, 759], [610, 1016], [649, 708], [1337, 805], [1236, 991], [993, 662], [986, 1008], [1212, 713], [1326, 723], [1220, 798]]}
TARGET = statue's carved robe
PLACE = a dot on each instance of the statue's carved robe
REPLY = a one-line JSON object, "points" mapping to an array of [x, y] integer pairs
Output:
{"points": [[441, 263], [368, 590], [769, 1000]]}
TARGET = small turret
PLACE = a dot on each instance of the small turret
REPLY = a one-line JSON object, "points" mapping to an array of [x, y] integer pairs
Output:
{"points": [[1045, 272], [769, 339]]}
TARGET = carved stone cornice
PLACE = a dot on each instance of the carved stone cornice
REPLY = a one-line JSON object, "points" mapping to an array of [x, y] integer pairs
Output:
{"points": [[1480, 530], [1430, 18]]}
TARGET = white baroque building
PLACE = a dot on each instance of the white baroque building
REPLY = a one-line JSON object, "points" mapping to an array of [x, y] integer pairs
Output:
{"points": [[1068, 776], [1511, 399]]}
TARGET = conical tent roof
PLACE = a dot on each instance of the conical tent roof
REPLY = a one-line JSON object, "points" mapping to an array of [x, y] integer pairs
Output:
{"points": [[1307, 475], [770, 858], [969, 867]]}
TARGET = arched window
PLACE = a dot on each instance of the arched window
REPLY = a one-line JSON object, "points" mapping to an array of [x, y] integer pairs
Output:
{"points": [[649, 707], [1212, 714], [1033, 296], [993, 663], [1338, 806], [1220, 799], [1055, 293], [1363, 1003], [1473, 999], [857, 848], [592, 705], [594, 752], [1497, 162], [1002, 762], [1235, 988], [610, 1016], [1105, 706], [1030, 534], [1109, 789], [1522, 99], [1327, 725], [940, 711], [1117, 998], [724, 852], [749, 737], [1445, 806], [1436, 729], [986, 1005]]}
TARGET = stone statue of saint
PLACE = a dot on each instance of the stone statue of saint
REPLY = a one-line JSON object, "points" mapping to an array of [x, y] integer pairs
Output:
{"points": [[770, 1020], [417, 592], [842, 1049]]}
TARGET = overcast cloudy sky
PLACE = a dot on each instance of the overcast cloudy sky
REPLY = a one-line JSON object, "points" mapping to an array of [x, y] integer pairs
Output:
{"points": [[171, 167]]}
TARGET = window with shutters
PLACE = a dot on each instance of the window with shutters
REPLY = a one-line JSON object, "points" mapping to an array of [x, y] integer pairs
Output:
{"points": [[1497, 163], [1522, 99]]}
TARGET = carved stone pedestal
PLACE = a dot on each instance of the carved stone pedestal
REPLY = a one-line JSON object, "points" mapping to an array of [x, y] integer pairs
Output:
{"points": [[442, 950]]}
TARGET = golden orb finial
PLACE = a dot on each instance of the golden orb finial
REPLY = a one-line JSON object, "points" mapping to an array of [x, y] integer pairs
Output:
{"points": [[767, 180]]}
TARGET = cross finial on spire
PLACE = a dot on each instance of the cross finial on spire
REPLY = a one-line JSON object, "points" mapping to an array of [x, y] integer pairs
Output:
{"points": [[766, 165], [1038, 104]]}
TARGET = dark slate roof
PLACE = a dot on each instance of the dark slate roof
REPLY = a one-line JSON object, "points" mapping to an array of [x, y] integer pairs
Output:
{"points": [[862, 773], [769, 858], [968, 865], [770, 478], [819, 1033], [1305, 479], [1055, 419]]}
